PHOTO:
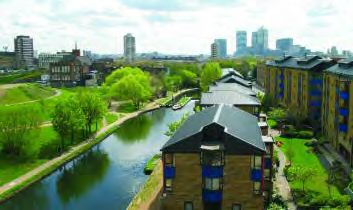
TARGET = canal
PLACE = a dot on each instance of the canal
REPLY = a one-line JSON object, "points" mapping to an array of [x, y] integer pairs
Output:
{"points": [[107, 176]]}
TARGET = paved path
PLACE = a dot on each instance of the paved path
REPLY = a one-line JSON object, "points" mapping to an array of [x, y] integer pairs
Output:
{"points": [[281, 182]]}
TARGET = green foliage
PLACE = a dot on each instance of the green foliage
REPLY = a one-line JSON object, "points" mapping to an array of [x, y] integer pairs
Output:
{"points": [[305, 134], [15, 123], [188, 78], [266, 102], [278, 114], [243, 65], [151, 163], [274, 206], [111, 117], [210, 73], [183, 101], [272, 123], [173, 83], [173, 127], [302, 174], [130, 84]]}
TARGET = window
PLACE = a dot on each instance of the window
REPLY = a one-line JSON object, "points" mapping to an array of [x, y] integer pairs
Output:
{"points": [[212, 158], [168, 184], [257, 187], [169, 159], [236, 207], [256, 162], [213, 183], [267, 173], [188, 205]]}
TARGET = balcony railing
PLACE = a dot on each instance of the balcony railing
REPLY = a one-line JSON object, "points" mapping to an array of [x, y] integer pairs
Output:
{"points": [[343, 112], [169, 172], [256, 175], [343, 128], [212, 171], [212, 196], [344, 95]]}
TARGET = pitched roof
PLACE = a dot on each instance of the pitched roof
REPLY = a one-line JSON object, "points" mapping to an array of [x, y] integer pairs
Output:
{"points": [[228, 97], [231, 87], [344, 68], [241, 126], [304, 63], [231, 71], [235, 79]]}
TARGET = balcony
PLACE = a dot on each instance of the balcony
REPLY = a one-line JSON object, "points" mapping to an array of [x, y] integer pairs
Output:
{"points": [[281, 85], [315, 82], [169, 172], [256, 175], [212, 171], [343, 128], [344, 95], [281, 95], [212, 196], [343, 112], [281, 76], [315, 103], [315, 93]]}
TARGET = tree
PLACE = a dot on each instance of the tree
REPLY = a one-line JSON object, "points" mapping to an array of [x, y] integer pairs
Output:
{"points": [[16, 122], [173, 83], [173, 127], [93, 108], [120, 73], [188, 78], [61, 120], [301, 174], [210, 73], [290, 152], [136, 88]]}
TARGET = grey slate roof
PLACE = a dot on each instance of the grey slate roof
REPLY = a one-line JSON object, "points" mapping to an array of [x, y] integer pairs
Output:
{"points": [[231, 87], [241, 126], [304, 63], [344, 68], [235, 79], [228, 97], [230, 71]]}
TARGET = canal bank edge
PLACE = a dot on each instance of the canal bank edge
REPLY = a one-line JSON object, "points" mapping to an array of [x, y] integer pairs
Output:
{"points": [[148, 196], [10, 189]]}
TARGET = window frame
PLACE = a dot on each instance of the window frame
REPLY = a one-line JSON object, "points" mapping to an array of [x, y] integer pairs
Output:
{"points": [[222, 156], [168, 188], [236, 205], [220, 183], [189, 202]]}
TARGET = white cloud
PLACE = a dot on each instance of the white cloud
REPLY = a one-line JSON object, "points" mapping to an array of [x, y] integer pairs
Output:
{"points": [[174, 26]]}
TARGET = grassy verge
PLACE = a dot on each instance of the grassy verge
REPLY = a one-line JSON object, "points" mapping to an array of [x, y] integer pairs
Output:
{"points": [[112, 117], [305, 157], [20, 77], [150, 189], [151, 163], [183, 101]]}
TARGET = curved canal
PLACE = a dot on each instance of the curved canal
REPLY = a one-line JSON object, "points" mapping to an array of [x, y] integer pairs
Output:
{"points": [[106, 177]]}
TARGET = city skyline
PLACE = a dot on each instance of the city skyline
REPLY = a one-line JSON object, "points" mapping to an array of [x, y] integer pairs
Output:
{"points": [[99, 26]]}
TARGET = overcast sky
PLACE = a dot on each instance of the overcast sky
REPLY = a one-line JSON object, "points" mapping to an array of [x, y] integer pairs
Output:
{"points": [[173, 26]]}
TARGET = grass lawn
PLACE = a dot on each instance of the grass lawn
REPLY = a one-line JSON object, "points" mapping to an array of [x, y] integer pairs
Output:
{"points": [[306, 158], [12, 169], [18, 77], [23, 93], [112, 117]]}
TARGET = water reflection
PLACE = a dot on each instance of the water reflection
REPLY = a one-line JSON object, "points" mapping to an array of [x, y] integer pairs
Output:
{"points": [[84, 173], [138, 129]]}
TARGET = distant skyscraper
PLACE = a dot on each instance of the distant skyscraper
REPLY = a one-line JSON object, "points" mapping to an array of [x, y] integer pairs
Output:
{"points": [[334, 51], [241, 40], [214, 50], [129, 47], [222, 47], [259, 41], [284, 44], [254, 40], [24, 52]]}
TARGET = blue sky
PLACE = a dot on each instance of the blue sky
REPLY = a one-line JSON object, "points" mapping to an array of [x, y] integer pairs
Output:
{"points": [[173, 26]]}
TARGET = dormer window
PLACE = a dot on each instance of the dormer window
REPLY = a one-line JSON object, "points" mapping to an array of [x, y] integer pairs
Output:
{"points": [[212, 155]]}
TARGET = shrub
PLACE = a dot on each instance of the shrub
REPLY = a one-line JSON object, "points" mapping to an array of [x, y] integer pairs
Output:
{"points": [[305, 134], [312, 143], [289, 131], [49, 150]]}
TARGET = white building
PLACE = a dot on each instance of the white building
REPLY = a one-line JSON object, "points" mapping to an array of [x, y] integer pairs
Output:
{"points": [[129, 47]]}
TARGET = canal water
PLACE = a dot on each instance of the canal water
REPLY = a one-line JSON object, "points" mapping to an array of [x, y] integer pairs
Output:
{"points": [[109, 175]]}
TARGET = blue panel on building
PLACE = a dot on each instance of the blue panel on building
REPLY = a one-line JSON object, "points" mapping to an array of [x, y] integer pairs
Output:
{"points": [[344, 95], [281, 76], [281, 85], [343, 128], [256, 175], [315, 82], [212, 171], [315, 93], [212, 196], [281, 95], [169, 172], [344, 112], [315, 103]]}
